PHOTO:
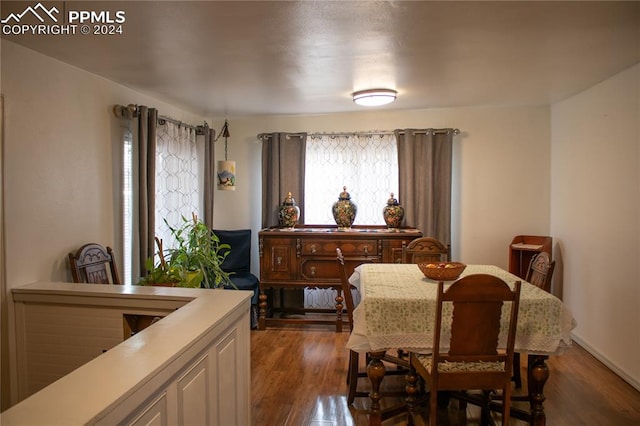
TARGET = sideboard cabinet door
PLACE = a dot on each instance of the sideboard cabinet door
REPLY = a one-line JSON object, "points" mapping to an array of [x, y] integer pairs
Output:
{"points": [[278, 258]]}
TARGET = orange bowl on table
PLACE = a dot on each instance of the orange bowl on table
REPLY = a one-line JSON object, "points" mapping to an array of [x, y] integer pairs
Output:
{"points": [[442, 271]]}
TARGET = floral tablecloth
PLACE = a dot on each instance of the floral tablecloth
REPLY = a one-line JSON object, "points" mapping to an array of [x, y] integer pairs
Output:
{"points": [[397, 310]]}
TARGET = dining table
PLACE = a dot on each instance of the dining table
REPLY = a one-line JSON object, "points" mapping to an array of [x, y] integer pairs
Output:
{"points": [[397, 311]]}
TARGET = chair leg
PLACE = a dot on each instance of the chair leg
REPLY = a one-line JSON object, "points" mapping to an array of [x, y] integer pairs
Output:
{"points": [[433, 407], [485, 410], [517, 377], [506, 404], [352, 376]]}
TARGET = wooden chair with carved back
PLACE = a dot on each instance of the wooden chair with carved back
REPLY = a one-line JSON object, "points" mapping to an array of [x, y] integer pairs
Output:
{"points": [[94, 264], [426, 249], [471, 357], [353, 372], [540, 273]]}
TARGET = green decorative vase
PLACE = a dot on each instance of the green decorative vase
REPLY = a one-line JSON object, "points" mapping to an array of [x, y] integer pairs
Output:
{"points": [[344, 210], [289, 212], [393, 213]]}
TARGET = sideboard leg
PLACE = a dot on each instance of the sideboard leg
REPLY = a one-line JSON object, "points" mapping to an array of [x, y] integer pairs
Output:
{"points": [[375, 372], [538, 374], [262, 304]]}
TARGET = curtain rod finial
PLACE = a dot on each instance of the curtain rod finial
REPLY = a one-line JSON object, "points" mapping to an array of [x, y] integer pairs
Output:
{"points": [[129, 111]]}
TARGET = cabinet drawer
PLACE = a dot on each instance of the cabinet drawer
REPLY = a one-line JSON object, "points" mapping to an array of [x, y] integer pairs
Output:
{"points": [[349, 248], [319, 269], [324, 269]]}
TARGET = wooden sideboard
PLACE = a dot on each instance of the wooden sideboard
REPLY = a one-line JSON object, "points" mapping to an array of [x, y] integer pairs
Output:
{"points": [[306, 257]]}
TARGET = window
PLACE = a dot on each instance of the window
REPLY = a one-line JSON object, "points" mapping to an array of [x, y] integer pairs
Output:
{"points": [[127, 209], [366, 164], [178, 178], [179, 182]]}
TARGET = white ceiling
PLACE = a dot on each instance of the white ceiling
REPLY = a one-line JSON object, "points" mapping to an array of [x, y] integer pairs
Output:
{"points": [[267, 57]]}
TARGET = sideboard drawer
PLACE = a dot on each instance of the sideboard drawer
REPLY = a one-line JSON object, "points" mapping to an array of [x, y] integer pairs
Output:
{"points": [[319, 269], [326, 269], [327, 247]]}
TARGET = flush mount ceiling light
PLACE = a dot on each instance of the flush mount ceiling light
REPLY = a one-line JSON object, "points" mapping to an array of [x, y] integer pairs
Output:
{"points": [[374, 97]]}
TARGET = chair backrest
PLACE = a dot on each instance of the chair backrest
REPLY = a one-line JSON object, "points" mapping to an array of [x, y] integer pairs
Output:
{"points": [[477, 308], [541, 271], [239, 256], [94, 264], [346, 287], [426, 249]]}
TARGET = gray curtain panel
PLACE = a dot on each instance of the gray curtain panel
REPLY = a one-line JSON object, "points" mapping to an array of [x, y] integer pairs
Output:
{"points": [[283, 159], [424, 167], [146, 146], [209, 175]]}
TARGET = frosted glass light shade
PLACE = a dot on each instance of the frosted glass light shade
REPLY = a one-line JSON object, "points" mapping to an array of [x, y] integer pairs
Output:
{"points": [[227, 175], [374, 97]]}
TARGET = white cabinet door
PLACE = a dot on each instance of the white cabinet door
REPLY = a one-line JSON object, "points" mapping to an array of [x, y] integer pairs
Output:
{"points": [[155, 414], [231, 395], [194, 393]]}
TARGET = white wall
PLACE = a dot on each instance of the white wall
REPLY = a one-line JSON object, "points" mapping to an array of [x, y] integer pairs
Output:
{"points": [[501, 171], [595, 217]]}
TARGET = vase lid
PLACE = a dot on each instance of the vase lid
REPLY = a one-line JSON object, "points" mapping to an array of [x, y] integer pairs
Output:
{"points": [[392, 201], [344, 195], [289, 200]]}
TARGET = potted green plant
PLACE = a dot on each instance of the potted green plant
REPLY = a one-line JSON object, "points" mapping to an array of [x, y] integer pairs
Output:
{"points": [[162, 273], [165, 273], [195, 261], [199, 250]]}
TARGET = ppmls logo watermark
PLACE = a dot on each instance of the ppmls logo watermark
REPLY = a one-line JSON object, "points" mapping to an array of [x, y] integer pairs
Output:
{"points": [[40, 20]]}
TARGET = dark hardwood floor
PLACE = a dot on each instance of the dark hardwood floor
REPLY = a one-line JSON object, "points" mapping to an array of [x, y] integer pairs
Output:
{"points": [[298, 379]]}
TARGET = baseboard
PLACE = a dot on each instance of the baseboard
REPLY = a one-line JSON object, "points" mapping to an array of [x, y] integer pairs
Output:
{"points": [[617, 370]]}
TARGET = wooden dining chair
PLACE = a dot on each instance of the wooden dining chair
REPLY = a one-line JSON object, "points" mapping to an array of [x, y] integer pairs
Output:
{"points": [[540, 273], [353, 371], [426, 249], [471, 357], [94, 264]]}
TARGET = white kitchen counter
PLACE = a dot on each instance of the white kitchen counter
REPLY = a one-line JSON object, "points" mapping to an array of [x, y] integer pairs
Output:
{"points": [[153, 370]]}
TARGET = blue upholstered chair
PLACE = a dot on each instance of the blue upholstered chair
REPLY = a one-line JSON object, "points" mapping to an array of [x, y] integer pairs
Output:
{"points": [[238, 262]]}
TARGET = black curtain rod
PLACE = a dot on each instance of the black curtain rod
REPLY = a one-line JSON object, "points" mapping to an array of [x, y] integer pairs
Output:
{"points": [[373, 133], [199, 129], [131, 111]]}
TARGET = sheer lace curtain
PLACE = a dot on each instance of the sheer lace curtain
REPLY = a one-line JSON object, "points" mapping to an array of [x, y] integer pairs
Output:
{"points": [[178, 181], [366, 164]]}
